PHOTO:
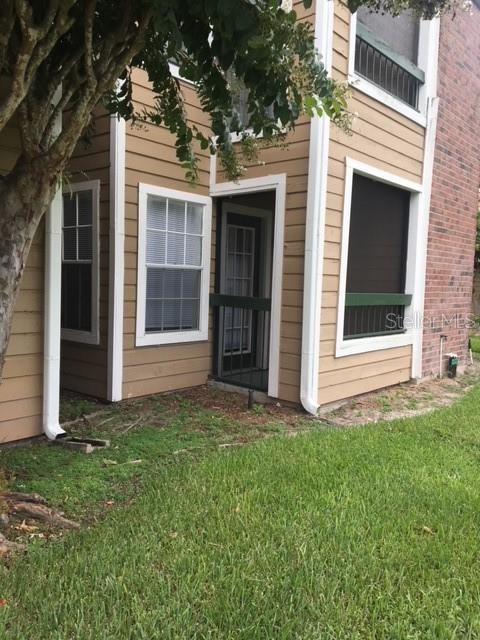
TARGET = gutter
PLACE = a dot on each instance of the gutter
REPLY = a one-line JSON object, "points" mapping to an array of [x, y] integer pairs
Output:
{"points": [[315, 224]]}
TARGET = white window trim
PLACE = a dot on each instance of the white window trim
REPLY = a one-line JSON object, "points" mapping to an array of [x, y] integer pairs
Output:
{"points": [[427, 50], [93, 336], [143, 338], [175, 72], [376, 343]]}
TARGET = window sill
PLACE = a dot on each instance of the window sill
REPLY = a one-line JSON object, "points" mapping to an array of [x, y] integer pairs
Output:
{"points": [[370, 89], [356, 346], [237, 137], [175, 72], [173, 337], [85, 337]]}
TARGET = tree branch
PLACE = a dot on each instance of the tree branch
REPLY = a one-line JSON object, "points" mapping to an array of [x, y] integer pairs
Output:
{"points": [[88, 41], [65, 144], [7, 23], [36, 44], [29, 144], [119, 36], [70, 81]]}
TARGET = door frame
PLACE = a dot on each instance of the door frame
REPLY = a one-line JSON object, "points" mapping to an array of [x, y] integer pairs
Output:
{"points": [[265, 283], [277, 183]]}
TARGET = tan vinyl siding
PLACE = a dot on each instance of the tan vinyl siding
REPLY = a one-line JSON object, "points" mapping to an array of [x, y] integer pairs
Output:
{"points": [[292, 161], [386, 140], [21, 392], [84, 366], [151, 159]]}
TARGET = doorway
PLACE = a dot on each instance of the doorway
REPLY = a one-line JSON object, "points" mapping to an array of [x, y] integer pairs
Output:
{"points": [[242, 300]]}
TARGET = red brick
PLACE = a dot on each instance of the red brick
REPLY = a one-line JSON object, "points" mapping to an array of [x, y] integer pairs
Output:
{"points": [[456, 180]]}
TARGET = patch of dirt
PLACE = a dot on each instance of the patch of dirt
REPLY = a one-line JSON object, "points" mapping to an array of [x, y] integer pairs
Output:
{"points": [[154, 410], [401, 401], [234, 406]]}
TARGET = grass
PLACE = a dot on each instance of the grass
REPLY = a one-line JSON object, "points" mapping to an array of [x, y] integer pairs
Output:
{"points": [[365, 533], [173, 429], [73, 406], [475, 343]]}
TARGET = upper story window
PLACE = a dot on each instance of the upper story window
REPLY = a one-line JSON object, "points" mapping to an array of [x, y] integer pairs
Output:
{"points": [[386, 53], [240, 99], [173, 268], [79, 314]]}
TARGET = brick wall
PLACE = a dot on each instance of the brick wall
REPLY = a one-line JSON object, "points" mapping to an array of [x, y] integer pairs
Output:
{"points": [[456, 178]]}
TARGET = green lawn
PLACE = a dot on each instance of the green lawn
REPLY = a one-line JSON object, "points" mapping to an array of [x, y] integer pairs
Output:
{"points": [[475, 343], [369, 532]]}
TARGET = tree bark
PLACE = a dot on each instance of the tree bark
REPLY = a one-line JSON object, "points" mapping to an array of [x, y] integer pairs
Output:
{"points": [[24, 197]]}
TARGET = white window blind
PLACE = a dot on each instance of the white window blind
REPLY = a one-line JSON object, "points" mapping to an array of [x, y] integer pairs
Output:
{"points": [[174, 264]]}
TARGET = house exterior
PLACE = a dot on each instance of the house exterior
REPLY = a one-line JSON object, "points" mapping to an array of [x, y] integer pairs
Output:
{"points": [[308, 280]]}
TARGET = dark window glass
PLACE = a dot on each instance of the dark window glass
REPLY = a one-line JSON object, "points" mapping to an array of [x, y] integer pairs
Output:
{"points": [[77, 296], [77, 267]]}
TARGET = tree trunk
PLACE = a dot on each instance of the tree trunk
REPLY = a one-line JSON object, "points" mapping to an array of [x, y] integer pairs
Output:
{"points": [[24, 197]]}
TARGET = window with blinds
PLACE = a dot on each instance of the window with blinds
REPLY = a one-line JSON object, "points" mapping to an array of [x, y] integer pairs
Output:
{"points": [[174, 263], [78, 260]]}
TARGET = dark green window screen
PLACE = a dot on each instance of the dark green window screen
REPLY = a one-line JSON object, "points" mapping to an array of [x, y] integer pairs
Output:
{"points": [[377, 244], [377, 252]]}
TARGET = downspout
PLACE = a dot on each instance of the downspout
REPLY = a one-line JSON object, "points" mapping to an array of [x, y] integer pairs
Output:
{"points": [[52, 318], [315, 224], [52, 332], [116, 259]]}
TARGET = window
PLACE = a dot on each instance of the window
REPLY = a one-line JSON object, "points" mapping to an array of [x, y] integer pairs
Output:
{"points": [[79, 312], [386, 53], [394, 60], [240, 280], [399, 33], [173, 268], [240, 99], [382, 253], [375, 297]]}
